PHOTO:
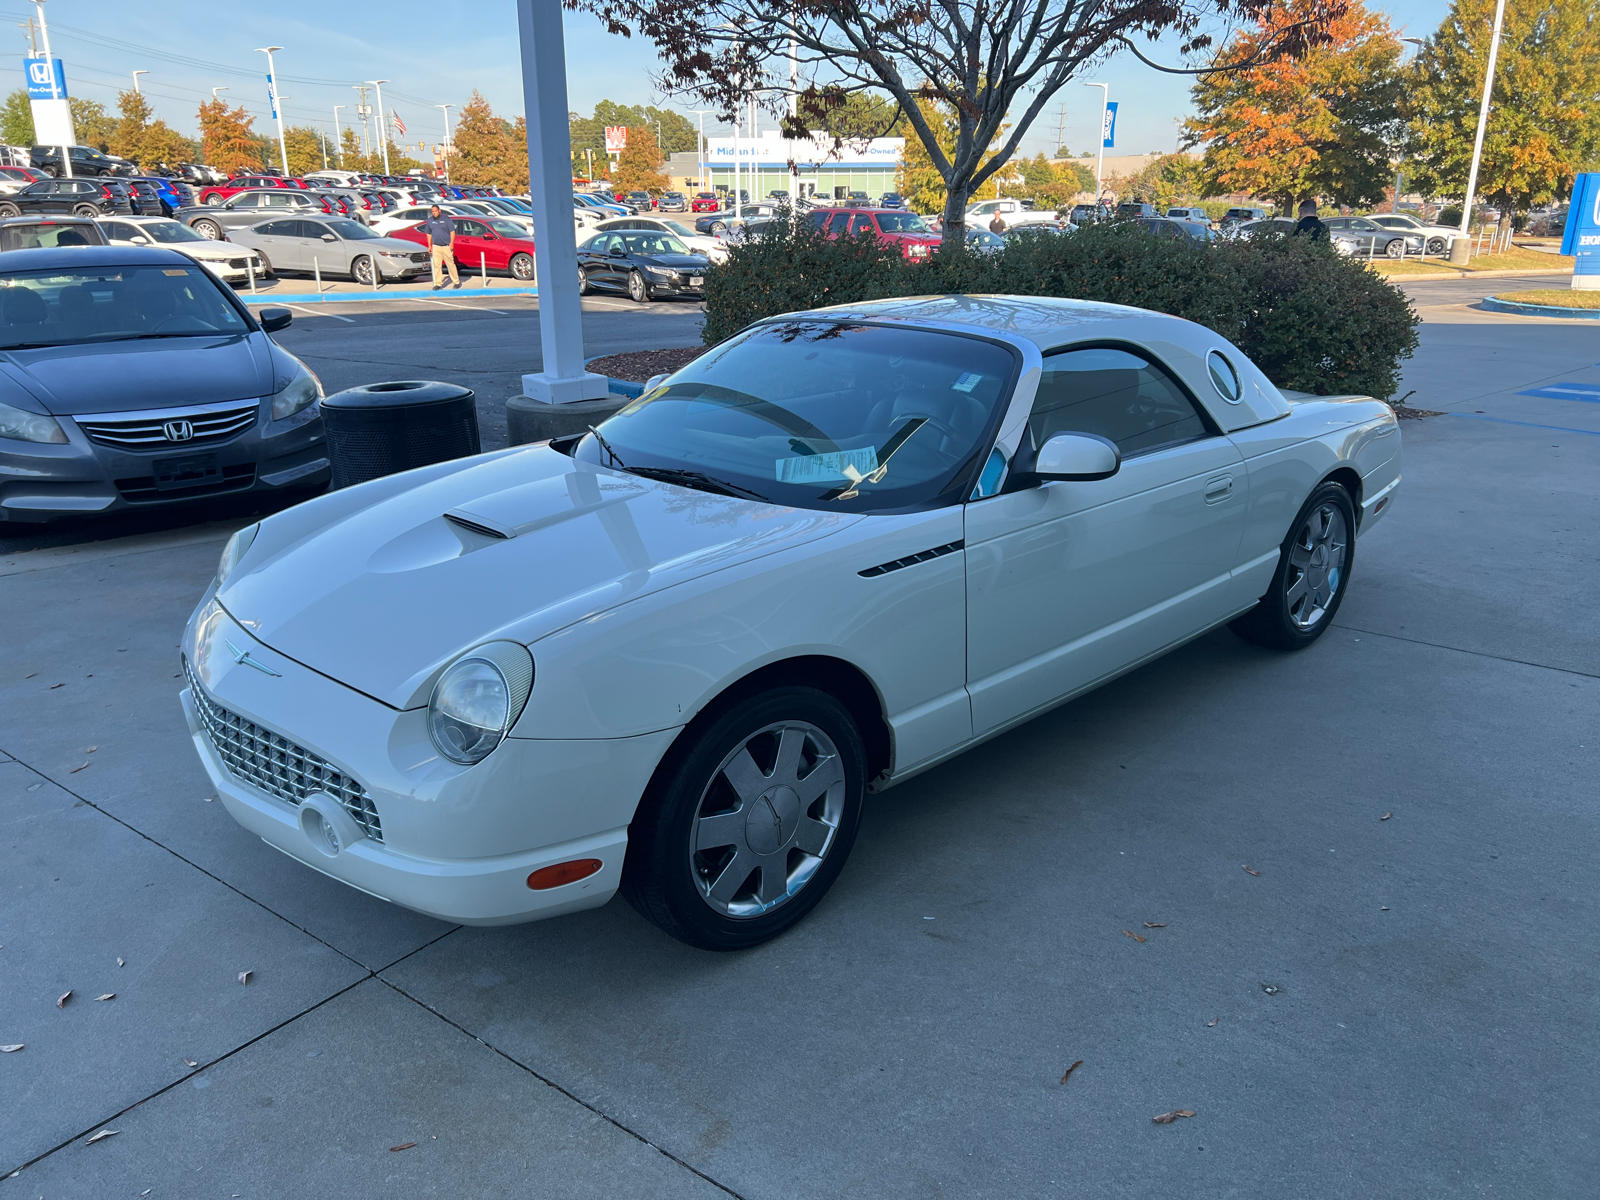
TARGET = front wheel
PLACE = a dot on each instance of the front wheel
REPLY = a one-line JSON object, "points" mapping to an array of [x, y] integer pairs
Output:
{"points": [[638, 289], [746, 827], [1437, 245], [85, 210], [213, 198], [522, 267], [1312, 577], [363, 271], [1396, 248]]}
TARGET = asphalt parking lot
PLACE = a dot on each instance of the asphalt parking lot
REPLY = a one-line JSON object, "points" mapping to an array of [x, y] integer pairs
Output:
{"points": [[1338, 905]]}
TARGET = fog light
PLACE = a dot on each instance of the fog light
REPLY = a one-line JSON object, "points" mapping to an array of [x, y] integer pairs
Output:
{"points": [[568, 872], [327, 825]]}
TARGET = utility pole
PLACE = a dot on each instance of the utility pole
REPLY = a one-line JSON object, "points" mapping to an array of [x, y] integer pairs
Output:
{"points": [[445, 108], [1459, 247], [383, 122], [362, 111], [1061, 129], [44, 36], [338, 135], [277, 109], [136, 75], [794, 111], [33, 45]]}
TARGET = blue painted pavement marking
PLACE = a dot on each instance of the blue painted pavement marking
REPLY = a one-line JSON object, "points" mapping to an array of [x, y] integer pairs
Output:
{"points": [[1589, 393]]}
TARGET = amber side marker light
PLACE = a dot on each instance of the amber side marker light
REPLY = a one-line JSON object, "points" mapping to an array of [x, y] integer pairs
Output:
{"points": [[568, 872]]}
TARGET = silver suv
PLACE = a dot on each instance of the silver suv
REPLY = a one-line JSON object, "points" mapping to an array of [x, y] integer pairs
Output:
{"points": [[250, 208]]}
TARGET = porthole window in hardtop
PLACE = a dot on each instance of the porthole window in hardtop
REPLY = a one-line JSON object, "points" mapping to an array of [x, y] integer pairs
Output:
{"points": [[1115, 393], [1223, 377]]}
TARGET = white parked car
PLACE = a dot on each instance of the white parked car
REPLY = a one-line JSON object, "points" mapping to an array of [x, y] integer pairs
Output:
{"points": [[672, 656], [712, 247], [227, 261], [1013, 212], [405, 218]]}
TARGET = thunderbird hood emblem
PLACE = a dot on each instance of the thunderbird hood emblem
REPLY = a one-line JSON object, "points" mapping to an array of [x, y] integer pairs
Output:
{"points": [[244, 659]]}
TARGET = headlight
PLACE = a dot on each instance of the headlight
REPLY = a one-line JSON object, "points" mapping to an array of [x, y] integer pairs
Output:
{"points": [[659, 272], [303, 391], [234, 551], [478, 699], [29, 427]]}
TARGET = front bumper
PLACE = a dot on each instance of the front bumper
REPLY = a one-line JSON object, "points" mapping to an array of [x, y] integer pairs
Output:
{"points": [[677, 285], [41, 481], [457, 843], [404, 268]]}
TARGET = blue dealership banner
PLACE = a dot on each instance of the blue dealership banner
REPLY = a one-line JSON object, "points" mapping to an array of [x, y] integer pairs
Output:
{"points": [[47, 80], [1109, 131], [272, 97], [1582, 236]]}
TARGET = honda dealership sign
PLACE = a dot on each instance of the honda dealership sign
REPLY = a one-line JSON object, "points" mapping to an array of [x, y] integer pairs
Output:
{"points": [[47, 91], [1582, 237]]}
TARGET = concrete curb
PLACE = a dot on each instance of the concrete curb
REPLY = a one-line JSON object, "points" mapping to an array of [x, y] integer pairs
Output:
{"points": [[1459, 274], [619, 387], [1495, 304], [369, 297]]}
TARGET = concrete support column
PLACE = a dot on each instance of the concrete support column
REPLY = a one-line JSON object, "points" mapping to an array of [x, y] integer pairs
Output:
{"points": [[544, 90]]}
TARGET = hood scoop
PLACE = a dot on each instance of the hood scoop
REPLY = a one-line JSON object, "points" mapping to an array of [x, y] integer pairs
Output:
{"points": [[530, 507]]}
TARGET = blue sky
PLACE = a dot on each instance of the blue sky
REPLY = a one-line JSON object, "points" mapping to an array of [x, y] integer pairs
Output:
{"points": [[439, 51]]}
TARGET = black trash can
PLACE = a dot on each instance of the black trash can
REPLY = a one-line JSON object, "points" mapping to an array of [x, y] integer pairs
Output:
{"points": [[387, 427]]}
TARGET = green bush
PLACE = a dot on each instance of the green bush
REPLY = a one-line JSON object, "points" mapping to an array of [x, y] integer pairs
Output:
{"points": [[1313, 320]]}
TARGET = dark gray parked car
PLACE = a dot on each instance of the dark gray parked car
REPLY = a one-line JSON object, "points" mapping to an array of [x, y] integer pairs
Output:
{"points": [[250, 208], [130, 377], [333, 246]]}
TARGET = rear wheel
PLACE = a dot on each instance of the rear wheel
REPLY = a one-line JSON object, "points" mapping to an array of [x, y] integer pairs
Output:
{"points": [[9, 210], [584, 287], [638, 289], [1312, 577], [85, 210], [1436, 245], [208, 228], [522, 267], [213, 198], [1396, 248], [748, 826]]}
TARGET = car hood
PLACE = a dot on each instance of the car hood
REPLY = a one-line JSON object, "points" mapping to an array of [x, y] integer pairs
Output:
{"points": [[684, 262], [133, 375], [377, 587]]}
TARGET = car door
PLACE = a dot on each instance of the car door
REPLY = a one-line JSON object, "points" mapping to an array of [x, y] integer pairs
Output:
{"points": [[1071, 582], [474, 244], [122, 233], [271, 238]]}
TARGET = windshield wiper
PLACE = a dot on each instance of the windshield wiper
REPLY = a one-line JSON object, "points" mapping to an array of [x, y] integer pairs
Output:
{"points": [[606, 446], [697, 479]]}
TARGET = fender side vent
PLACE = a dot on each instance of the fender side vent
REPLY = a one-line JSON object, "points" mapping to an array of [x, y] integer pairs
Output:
{"points": [[912, 559]]}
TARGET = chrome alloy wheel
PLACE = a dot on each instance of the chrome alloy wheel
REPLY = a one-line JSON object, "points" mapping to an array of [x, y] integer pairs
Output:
{"points": [[767, 819], [1316, 565]]}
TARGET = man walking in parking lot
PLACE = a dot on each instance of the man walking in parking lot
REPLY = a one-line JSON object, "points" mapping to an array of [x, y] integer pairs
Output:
{"points": [[1309, 224], [440, 229]]}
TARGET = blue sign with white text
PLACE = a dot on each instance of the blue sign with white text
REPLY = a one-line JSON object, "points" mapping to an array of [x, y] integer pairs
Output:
{"points": [[1109, 132], [272, 97], [1582, 236], [46, 78]]}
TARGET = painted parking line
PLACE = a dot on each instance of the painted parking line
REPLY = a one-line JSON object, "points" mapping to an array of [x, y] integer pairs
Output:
{"points": [[312, 312], [1526, 424], [1589, 393], [452, 304]]}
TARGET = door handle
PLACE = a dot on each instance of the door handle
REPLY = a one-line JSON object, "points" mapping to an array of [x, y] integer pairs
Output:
{"points": [[1219, 489]]}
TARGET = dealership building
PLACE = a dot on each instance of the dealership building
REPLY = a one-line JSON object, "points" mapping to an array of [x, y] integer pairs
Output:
{"points": [[764, 165]]}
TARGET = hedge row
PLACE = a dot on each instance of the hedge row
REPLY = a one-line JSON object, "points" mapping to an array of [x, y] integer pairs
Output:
{"points": [[1313, 320]]}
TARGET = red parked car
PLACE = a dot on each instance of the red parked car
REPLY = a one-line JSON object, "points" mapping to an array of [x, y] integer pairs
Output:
{"points": [[219, 192], [705, 202], [905, 229], [487, 243]]}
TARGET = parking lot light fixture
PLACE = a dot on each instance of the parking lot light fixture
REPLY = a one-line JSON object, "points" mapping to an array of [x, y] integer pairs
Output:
{"points": [[383, 122], [338, 134], [1100, 166], [215, 90], [277, 102], [136, 75], [1459, 247]]}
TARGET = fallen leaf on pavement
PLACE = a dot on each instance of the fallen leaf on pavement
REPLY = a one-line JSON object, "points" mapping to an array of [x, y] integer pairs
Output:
{"points": [[1169, 1118], [1132, 934], [107, 996], [1211, 1024], [104, 1133], [91, 749], [61, 1000], [1271, 989], [120, 963], [189, 1062], [1071, 1069], [30, 676], [54, 686], [244, 976], [1385, 816], [1155, 924], [401, 1146], [78, 768], [1251, 870], [12, 1049]]}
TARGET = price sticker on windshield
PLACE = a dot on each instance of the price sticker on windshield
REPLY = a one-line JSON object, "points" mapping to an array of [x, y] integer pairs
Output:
{"points": [[827, 468], [967, 382]]}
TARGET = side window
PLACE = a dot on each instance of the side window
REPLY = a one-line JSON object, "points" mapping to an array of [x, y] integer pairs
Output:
{"points": [[276, 229], [119, 231], [1116, 394], [817, 219], [311, 229]]}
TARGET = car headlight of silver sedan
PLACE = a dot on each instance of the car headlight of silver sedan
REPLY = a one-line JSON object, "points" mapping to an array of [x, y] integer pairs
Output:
{"points": [[478, 699], [25, 426], [302, 391]]}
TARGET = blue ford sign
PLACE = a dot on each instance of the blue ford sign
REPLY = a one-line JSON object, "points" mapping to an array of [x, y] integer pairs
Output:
{"points": [[46, 78], [1582, 236], [1108, 131]]}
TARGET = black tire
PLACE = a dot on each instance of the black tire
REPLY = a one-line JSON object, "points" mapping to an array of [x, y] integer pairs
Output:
{"points": [[1396, 248], [1437, 245], [584, 286], [213, 199], [522, 267], [85, 210], [9, 210], [718, 227], [668, 882], [638, 289], [362, 268], [1280, 621], [207, 228]]}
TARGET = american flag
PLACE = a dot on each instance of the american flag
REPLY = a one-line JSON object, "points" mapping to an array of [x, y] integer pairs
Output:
{"points": [[399, 125]]}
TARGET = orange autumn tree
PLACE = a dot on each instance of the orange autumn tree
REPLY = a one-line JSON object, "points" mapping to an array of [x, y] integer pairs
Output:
{"points": [[1318, 126]]}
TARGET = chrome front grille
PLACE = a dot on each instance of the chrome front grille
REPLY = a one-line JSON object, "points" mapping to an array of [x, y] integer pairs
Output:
{"points": [[207, 424], [422, 257], [276, 765]]}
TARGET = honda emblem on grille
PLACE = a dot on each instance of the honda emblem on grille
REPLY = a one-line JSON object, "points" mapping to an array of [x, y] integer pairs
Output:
{"points": [[178, 431]]}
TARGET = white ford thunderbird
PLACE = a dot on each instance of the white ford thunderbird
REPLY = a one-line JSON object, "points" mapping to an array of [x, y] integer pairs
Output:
{"points": [[671, 656]]}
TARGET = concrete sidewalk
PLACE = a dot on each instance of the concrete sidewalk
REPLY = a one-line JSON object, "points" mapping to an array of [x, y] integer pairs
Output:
{"points": [[1401, 1006]]}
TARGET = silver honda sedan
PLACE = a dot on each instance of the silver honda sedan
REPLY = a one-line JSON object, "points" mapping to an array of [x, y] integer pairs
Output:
{"points": [[333, 246]]}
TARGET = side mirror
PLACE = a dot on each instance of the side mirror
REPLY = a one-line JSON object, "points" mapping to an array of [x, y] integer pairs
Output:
{"points": [[328, 237], [1078, 456], [140, 240], [654, 382], [617, 253], [274, 319]]}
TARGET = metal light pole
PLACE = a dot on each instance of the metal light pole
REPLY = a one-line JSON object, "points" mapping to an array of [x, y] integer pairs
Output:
{"points": [[383, 122], [794, 111], [338, 135], [136, 75], [1100, 166], [215, 90], [564, 379], [44, 36], [445, 108], [700, 149], [1459, 248], [277, 109]]}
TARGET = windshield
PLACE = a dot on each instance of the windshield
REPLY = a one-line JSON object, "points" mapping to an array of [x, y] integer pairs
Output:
{"points": [[654, 243], [902, 223], [820, 414], [171, 231], [104, 304], [351, 231], [680, 229]]}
